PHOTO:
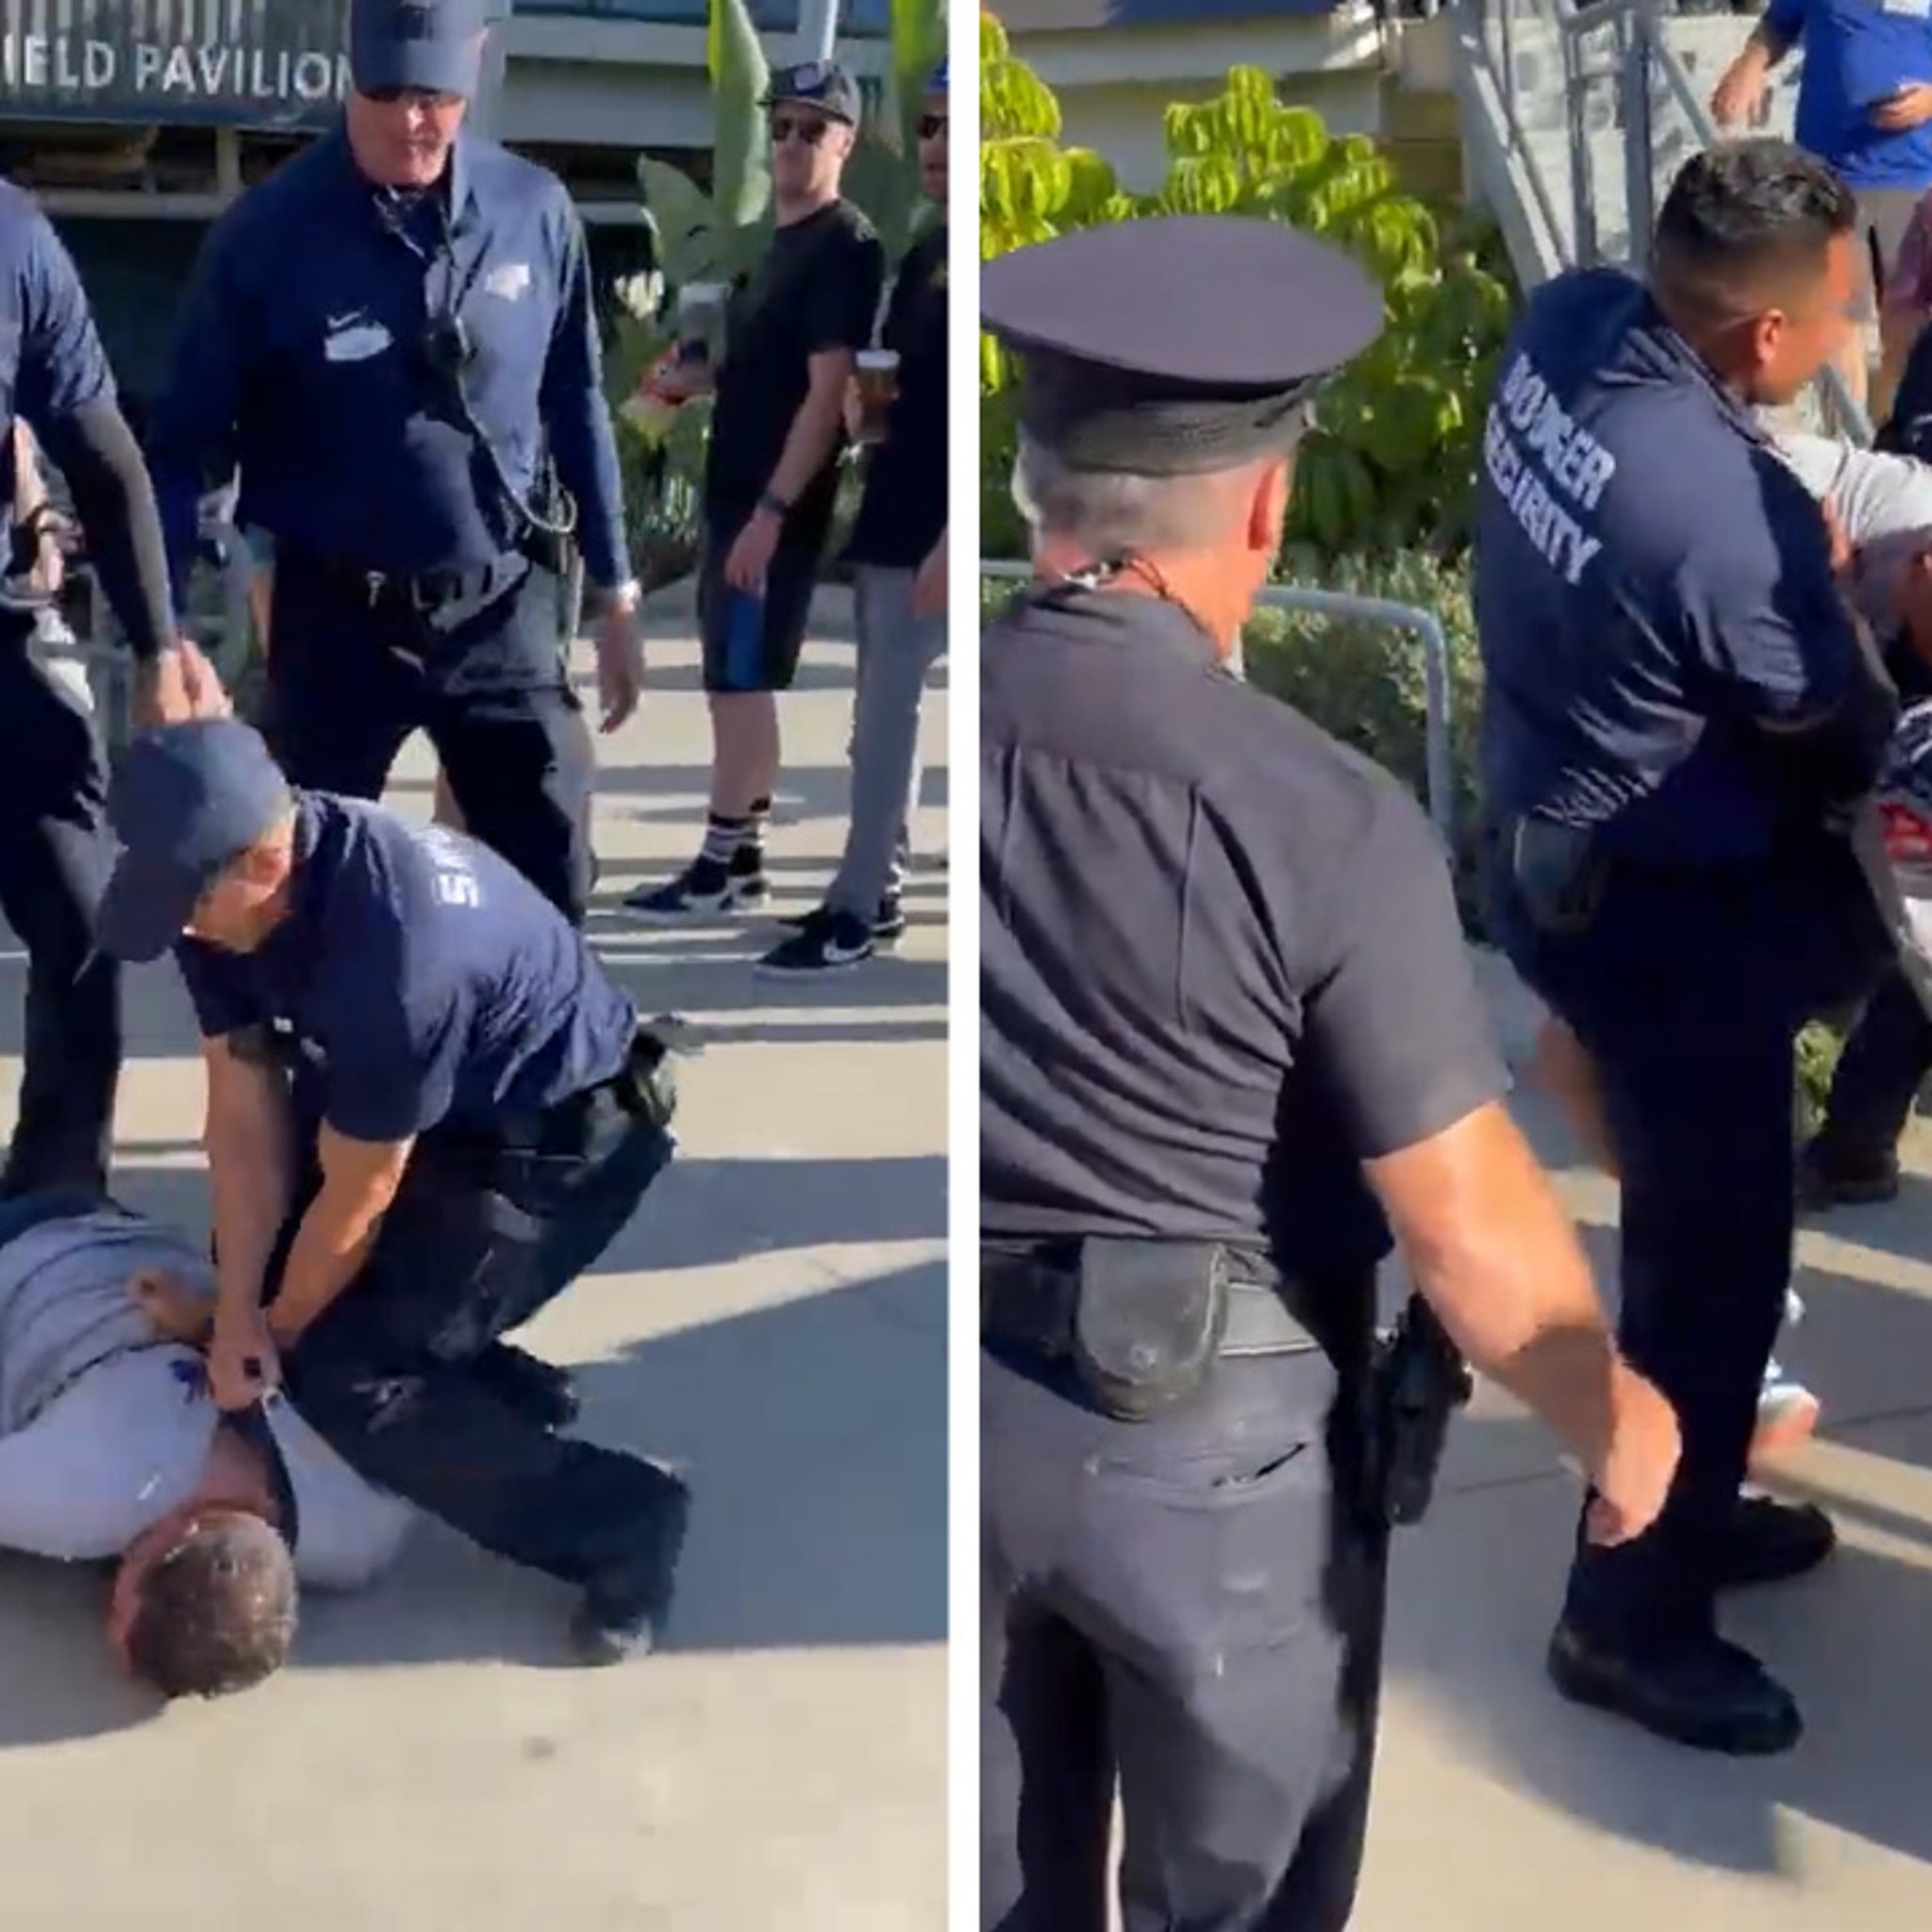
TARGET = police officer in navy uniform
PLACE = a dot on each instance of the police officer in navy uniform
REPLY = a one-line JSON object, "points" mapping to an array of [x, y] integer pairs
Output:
{"points": [[428, 1111], [1680, 711], [1228, 1024], [55, 849], [387, 334]]}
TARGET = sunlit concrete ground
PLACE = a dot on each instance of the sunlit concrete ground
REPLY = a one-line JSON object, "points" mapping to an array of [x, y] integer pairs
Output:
{"points": [[774, 1319], [1500, 1808]]}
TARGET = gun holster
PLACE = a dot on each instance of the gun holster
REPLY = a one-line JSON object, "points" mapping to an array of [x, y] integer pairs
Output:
{"points": [[1148, 1321], [1418, 1381], [649, 1082], [1558, 874]]}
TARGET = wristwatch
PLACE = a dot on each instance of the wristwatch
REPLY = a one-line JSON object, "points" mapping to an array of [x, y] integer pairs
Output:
{"points": [[777, 504], [625, 596]]}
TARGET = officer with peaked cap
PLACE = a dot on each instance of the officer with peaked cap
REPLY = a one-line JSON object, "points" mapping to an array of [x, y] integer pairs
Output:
{"points": [[389, 334], [1228, 1025]]}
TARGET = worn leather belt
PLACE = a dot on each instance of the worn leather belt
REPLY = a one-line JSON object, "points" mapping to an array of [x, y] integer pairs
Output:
{"points": [[1029, 1302], [427, 590]]}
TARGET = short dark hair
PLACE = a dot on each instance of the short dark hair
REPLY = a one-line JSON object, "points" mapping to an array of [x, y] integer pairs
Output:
{"points": [[1742, 215], [217, 1612]]}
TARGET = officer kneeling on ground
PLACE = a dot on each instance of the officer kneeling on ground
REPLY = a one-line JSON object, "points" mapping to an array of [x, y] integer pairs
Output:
{"points": [[1681, 712], [429, 1112], [1223, 981]]}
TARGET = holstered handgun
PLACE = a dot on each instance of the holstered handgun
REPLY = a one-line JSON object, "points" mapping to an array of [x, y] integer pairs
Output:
{"points": [[650, 1083], [1418, 1383]]}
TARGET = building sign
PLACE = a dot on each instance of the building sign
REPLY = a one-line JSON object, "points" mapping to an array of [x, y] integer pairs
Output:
{"points": [[236, 63]]}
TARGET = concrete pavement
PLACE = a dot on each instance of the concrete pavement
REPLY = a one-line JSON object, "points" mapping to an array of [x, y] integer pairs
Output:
{"points": [[1498, 1807], [774, 1319]]}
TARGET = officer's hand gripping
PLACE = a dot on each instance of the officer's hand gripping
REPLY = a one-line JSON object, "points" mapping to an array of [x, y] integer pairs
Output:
{"points": [[244, 1364]]}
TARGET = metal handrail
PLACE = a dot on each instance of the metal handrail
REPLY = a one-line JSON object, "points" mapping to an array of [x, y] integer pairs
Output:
{"points": [[1421, 622], [1651, 53]]}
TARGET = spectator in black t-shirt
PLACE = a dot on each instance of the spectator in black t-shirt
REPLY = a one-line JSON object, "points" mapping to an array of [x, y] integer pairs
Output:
{"points": [[772, 476], [898, 551]]}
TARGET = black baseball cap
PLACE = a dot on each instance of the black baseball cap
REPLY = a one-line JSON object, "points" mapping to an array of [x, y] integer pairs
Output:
{"points": [[186, 802], [821, 84], [431, 46]]}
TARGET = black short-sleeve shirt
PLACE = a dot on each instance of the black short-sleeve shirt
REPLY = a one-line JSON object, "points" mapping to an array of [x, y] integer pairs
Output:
{"points": [[904, 508], [1220, 959], [817, 289], [1653, 585]]}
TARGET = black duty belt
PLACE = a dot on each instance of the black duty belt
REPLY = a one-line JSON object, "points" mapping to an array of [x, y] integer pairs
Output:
{"points": [[417, 590], [1029, 1302]]}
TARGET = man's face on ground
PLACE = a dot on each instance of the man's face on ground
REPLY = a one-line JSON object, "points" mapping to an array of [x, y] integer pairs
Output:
{"points": [[934, 130], [809, 150]]}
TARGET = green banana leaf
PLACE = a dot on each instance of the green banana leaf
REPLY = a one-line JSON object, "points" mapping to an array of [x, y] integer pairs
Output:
{"points": [[740, 147]]}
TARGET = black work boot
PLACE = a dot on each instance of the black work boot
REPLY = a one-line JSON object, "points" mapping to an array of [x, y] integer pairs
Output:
{"points": [[533, 1387], [1709, 1694], [1828, 1178], [1768, 1541], [626, 1604]]}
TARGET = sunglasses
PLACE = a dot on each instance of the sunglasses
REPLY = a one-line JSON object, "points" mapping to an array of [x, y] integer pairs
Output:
{"points": [[785, 128], [931, 126], [390, 97]]}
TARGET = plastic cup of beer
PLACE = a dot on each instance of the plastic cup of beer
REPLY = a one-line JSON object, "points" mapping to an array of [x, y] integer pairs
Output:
{"points": [[700, 321], [877, 377]]}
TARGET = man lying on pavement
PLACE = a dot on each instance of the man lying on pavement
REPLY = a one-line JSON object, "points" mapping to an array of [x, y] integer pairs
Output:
{"points": [[112, 1450]]}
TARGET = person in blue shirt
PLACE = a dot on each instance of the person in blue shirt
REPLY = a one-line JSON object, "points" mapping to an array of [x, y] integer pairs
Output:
{"points": [[1865, 106], [387, 336], [1680, 713], [55, 849], [428, 1111]]}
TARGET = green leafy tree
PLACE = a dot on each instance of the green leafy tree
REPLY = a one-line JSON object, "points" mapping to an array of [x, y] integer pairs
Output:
{"points": [[1391, 461]]}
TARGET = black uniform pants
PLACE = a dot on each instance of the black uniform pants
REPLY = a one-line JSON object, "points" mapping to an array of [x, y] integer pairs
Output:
{"points": [[475, 1243], [55, 852], [1688, 990], [349, 679], [1885, 1061], [1190, 1609]]}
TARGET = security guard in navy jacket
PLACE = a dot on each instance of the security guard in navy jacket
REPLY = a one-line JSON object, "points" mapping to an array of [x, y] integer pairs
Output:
{"points": [[1227, 1021], [1679, 713], [55, 850], [387, 335]]}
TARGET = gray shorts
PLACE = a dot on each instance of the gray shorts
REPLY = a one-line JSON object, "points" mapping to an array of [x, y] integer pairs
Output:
{"points": [[1884, 215]]}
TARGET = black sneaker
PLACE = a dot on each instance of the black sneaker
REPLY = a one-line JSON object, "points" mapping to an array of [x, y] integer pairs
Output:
{"points": [[831, 946], [626, 1604], [705, 889], [533, 1387], [1829, 1180], [1711, 1695], [888, 925], [1768, 1541]]}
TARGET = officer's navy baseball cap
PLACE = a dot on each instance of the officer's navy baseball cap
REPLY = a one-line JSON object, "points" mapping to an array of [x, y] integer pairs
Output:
{"points": [[187, 800], [1178, 345], [821, 84], [434, 46]]}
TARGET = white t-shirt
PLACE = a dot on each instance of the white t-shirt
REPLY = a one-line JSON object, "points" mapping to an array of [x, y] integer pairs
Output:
{"points": [[103, 1431]]}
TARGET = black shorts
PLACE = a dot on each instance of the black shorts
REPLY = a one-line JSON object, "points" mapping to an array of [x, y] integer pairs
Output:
{"points": [[752, 644]]}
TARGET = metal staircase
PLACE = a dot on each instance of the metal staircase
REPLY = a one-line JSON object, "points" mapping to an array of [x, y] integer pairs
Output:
{"points": [[1576, 119]]}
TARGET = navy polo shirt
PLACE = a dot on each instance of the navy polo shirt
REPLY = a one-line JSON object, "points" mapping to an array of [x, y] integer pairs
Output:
{"points": [[51, 360], [424, 975], [299, 356], [1652, 586], [1857, 53]]}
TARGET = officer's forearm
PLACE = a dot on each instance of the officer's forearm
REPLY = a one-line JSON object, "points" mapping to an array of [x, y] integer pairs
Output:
{"points": [[814, 436], [251, 1179], [115, 502], [330, 1246], [585, 442], [1496, 1257]]}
